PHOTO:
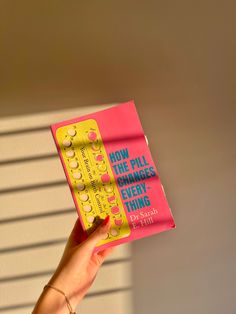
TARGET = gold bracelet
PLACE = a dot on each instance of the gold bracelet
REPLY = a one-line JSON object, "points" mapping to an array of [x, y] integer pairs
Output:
{"points": [[61, 292]]}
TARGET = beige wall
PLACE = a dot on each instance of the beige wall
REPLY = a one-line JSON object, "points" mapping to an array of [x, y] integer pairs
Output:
{"points": [[37, 214], [177, 60]]}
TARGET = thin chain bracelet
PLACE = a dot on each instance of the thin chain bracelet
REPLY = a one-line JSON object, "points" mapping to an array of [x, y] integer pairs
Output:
{"points": [[63, 293]]}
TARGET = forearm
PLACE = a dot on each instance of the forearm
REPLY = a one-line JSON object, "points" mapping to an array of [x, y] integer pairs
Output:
{"points": [[75, 273]]}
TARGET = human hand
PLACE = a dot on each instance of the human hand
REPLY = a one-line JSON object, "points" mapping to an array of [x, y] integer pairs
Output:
{"points": [[77, 269]]}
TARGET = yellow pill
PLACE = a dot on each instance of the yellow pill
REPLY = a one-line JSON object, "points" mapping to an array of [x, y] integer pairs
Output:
{"points": [[114, 232], [95, 146], [87, 208], [108, 188], [77, 175], [66, 143], [80, 186], [102, 167], [90, 219], [71, 132], [84, 197], [105, 236], [73, 164], [70, 153]]}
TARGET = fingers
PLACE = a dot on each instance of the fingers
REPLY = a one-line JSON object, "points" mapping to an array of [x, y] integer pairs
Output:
{"points": [[99, 234], [99, 257], [104, 253], [77, 234]]}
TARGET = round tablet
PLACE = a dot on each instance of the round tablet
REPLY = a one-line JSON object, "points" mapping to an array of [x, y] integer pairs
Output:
{"points": [[71, 132], [77, 175], [105, 236], [87, 208], [105, 178], [92, 136], [73, 164], [80, 186], [115, 210], [119, 222], [99, 157], [70, 153], [114, 232], [66, 143], [84, 197], [90, 219], [102, 167], [95, 146], [108, 188], [111, 199]]}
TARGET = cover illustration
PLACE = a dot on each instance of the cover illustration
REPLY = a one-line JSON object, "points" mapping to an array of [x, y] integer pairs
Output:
{"points": [[110, 171]]}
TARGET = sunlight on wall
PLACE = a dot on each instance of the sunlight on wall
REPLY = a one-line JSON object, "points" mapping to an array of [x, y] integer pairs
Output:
{"points": [[37, 214]]}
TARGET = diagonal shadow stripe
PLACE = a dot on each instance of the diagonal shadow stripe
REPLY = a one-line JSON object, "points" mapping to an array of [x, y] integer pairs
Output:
{"points": [[54, 155], [28, 159], [27, 130], [89, 295], [51, 271], [59, 183], [30, 246], [33, 187], [163, 224], [36, 216], [99, 293]]}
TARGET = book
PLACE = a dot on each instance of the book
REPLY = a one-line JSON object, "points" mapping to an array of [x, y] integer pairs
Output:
{"points": [[110, 171]]}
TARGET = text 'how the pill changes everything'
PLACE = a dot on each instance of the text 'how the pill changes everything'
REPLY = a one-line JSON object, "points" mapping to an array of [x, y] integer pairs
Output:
{"points": [[130, 176]]}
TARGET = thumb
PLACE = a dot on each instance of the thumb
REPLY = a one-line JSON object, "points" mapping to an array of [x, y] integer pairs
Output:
{"points": [[99, 234]]}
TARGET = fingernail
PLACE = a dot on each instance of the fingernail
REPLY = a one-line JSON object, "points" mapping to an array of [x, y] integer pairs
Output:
{"points": [[106, 220]]}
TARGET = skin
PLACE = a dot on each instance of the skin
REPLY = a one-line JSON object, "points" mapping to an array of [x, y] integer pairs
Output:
{"points": [[76, 271]]}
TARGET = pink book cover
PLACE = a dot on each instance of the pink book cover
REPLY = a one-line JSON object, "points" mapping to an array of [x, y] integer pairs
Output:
{"points": [[110, 171]]}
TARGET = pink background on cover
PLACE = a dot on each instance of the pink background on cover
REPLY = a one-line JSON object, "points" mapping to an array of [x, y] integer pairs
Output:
{"points": [[120, 128]]}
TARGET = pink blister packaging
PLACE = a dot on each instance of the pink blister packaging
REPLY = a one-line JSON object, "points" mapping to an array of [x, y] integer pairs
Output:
{"points": [[110, 171]]}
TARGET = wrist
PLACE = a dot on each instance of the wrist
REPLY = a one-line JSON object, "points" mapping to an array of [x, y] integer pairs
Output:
{"points": [[51, 301], [71, 287]]}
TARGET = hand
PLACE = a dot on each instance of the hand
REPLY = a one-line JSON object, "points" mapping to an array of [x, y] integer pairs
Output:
{"points": [[76, 271]]}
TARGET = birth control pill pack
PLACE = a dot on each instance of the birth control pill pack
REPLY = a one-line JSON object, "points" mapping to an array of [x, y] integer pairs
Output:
{"points": [[110, 171]]}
